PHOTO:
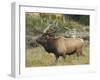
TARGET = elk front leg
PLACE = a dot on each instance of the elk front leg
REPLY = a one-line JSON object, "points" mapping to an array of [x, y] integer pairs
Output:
{"points": [[57, 57], [64, 56]]}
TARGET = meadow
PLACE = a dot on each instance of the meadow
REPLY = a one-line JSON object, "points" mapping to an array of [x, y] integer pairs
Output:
{"points": [[39, 57], [65, 25]]}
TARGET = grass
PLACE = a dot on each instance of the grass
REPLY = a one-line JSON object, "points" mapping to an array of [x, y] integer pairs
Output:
{"points": [[64, 23], [39, 57]]}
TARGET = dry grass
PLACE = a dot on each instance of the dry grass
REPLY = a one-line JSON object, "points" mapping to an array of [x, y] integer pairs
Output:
{"points": [[39, 57]]}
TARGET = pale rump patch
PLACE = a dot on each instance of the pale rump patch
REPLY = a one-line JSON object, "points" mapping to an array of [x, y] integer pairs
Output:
{"points": [[81, 40]]}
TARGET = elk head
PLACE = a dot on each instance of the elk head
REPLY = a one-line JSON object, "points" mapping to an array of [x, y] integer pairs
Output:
{"points": [[42, 39]]}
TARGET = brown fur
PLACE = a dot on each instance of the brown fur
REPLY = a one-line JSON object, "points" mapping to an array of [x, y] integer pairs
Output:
{"points": [[69, 45], [61, 46]]}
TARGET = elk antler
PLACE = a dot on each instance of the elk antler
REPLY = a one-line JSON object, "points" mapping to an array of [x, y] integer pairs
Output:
{"points": [[45, 30]]}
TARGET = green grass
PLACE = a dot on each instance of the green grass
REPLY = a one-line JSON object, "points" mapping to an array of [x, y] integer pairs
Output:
{"points": [[39, 57]]}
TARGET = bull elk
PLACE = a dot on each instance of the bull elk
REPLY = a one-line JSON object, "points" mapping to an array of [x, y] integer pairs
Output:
{"points": [[60, 46]]}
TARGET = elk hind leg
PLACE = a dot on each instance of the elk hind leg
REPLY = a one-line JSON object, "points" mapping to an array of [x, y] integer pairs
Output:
{"points": [[79, 52]]}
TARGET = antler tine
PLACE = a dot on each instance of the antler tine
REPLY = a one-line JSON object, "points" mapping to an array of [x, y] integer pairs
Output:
{"points": [[45, 30]]}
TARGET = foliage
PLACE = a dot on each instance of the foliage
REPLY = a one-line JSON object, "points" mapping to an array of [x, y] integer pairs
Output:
{"points": [[39, 21]]}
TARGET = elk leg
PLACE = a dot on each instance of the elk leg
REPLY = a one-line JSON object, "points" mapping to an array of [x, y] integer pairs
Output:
{"points": [[79, 52], [56, 60], [64, 56], [57, 57]]}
